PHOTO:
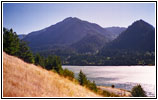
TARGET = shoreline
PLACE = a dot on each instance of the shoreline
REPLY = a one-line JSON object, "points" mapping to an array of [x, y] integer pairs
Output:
{"points": [[117, 91]]}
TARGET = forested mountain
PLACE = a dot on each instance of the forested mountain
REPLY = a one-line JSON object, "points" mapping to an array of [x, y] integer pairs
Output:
{"points": [[68, 32], [138, 36], [79, 42], [115, 31], [134, 46]]}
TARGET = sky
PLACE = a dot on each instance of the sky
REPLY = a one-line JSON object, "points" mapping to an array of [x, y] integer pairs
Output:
{"points": [[24, 18]]}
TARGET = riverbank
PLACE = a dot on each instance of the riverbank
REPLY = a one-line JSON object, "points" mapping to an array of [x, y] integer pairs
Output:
{"points": [[116, 91]]}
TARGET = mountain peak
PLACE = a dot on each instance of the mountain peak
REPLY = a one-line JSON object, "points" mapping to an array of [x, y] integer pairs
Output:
{"points": [[71, 18], [138, 36], [141, 24]]}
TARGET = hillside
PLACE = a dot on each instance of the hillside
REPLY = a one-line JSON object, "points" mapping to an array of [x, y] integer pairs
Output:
{"points": [[21, 79]]}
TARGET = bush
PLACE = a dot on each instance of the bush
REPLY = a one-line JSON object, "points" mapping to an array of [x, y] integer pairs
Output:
{"points": [[137, 91], [92, 86], [68, 73], [112, 86]]}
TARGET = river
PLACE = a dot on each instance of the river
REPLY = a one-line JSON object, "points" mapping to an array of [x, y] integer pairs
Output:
{"points": [[124, 77]]}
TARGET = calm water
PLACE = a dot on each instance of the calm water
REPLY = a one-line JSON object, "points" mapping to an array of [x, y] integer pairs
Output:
{"points": [[124, 77]]}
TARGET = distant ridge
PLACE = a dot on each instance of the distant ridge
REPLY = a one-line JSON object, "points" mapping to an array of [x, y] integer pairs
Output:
{"points": [[115, 31], [67, 33]]}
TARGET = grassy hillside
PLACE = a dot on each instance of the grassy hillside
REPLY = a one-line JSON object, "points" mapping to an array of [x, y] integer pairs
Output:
{"points": [[21, 79]]}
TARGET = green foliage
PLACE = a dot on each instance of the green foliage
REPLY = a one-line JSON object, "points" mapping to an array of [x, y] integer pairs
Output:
{"points": [[39, 60], [49, 63], [53, 63], [82, 78], [57, 66], [13, 46], [10, 42], [137, 91], [92, 86], [85, 82], [68, 73], [25, 53]]}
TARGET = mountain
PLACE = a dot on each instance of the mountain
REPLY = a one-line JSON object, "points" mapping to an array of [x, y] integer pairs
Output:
{"points": [[138, 36], [66, 33], [21, 79], [115, 31], [21, 36], [90, 43], [134, 46]]}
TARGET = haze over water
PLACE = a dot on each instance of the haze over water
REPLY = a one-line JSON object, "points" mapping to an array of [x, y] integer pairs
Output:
{"points": [[124, 77]]}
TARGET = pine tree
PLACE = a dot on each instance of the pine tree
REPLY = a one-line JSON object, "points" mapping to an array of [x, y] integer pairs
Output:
{"points": [[13, 46], [53, 63], [57, 66], [25, 53], [49, 63], [39, 60], [10, 42], [82, 78]]}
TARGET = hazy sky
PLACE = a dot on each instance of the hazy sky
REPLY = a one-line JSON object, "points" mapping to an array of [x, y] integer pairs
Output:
{"points": [[27, 17]]}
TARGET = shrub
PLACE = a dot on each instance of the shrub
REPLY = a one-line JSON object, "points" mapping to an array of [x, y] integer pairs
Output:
{"points": [[112, 86], [92, 86], [137, 91], [68, 73]]}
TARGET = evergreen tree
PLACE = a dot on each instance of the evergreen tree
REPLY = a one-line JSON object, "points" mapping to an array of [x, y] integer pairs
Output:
{"points": [[54, 63], [25, 53], [137, 91], [57, 66], [13, 46], [39, 60], [49, 63], [82, 78], [10, 42]]}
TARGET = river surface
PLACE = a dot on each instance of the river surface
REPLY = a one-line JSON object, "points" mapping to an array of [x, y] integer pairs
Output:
{"points": [[124, 77]]}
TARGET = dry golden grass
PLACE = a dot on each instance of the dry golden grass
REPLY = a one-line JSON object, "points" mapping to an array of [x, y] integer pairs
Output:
{"points": [[21, 79]]}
